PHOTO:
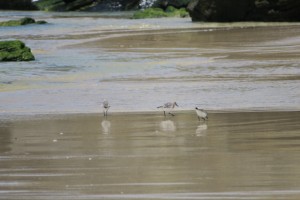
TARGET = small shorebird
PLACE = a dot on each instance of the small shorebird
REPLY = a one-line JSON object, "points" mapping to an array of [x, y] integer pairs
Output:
{"points": [[202, 114], [106, 106], [168, 107]]}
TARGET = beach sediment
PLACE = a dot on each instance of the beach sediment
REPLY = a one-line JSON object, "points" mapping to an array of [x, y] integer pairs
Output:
{"points": [[148, 156]]}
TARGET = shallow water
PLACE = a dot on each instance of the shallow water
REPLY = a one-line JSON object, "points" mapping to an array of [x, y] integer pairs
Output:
{"points": [[84, 58], [148, 156]]}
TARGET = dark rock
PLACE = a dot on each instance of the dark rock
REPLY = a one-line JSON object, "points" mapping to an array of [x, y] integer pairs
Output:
{"points": [[219, 10], [175, 3], [277, 10], [78, 4], [244, 10], [113, 5], [87, 5], [106, 5], [17, 5], [15, 50], [69, 1]]}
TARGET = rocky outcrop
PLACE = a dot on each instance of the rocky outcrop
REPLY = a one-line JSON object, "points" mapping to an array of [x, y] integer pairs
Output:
{"points": [[51, 5], [106, 5], [244, 10], [219, 10], [87, 5], [14, 50], [276, 10], [21, 22], [170, 11], [199, 10], [17, 5], [115, 5], [175, 3]]}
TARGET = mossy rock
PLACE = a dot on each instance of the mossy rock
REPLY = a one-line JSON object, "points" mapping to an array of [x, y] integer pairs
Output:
{"points": [[174, 12], [158, 13], [171, 9], [15, 50], [150, 13], [21, 22], [41, 22]]}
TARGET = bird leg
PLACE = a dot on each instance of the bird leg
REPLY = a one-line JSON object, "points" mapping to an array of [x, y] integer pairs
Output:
{"points": [[105, 113], [171, 114]]}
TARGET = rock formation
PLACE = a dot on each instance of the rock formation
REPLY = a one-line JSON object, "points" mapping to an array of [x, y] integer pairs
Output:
{"points": [[16, 5], [14, 50], [244, 10]]}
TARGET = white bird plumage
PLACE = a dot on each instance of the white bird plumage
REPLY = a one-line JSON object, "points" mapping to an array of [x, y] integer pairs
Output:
{"points": [[167, 107], [202, 114]]}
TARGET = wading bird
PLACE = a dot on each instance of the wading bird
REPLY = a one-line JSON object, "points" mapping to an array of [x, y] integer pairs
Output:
{"points": [[167, 107], [106, 106], [202, 114]]}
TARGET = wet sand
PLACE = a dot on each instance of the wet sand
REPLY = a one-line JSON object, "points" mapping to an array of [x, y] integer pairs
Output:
{"points": [[234, 155], [234, 66]]}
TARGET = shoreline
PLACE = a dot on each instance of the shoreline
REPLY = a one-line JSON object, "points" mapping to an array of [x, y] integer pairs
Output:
{"points": [[110, 34], [45, 116]]}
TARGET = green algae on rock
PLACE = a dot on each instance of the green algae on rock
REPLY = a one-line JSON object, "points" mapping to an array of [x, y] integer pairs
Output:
{"points": [[21, 22], [149, 13], [158, 13], [51, 5], [15, 50]]}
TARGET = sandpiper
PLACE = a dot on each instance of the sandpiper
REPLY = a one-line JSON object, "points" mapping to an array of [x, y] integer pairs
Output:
{"points": [[168, 107], [106, 106], [202, 114]]}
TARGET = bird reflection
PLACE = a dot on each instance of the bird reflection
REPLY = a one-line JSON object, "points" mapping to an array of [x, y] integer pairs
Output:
{"points": [[167, 126], [105, 126], [201, 130]]}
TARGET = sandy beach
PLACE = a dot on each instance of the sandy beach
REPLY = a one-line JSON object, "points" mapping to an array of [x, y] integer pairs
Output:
{"points": [[233, 155]]}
